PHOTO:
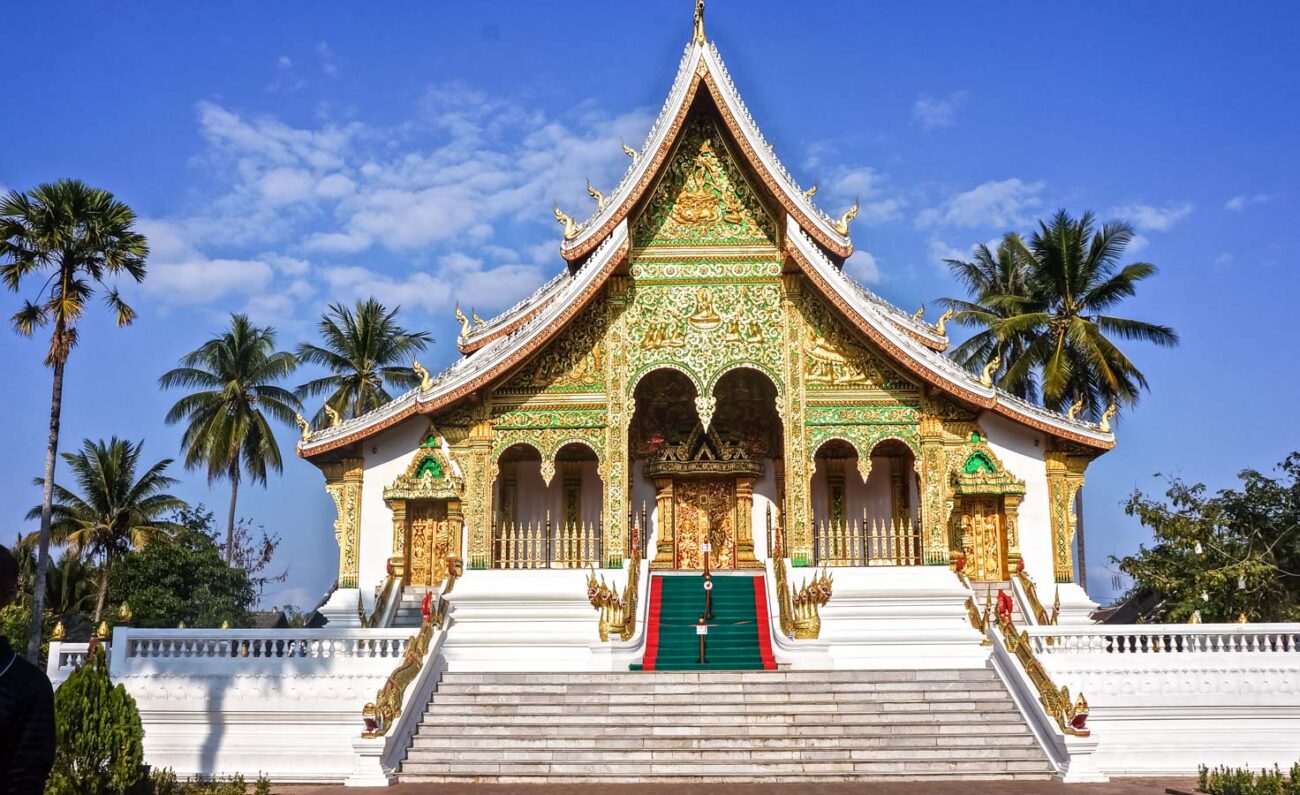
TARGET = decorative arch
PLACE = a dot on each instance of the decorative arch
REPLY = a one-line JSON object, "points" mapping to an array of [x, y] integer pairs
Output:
{"points": [[748, 364], [864, 460], [645, 370]]}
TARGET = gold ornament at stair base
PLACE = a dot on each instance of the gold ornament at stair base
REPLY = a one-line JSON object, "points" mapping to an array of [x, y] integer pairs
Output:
{"points": [[617, 613], [799, 613], [1070, 716], [387, 706]]}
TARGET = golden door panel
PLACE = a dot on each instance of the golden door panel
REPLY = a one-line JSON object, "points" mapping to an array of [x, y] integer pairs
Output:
{"points": [[429, 537], [705, 509], [984, 538]]}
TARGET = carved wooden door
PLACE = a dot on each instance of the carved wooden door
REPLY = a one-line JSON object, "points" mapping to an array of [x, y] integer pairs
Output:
{"points": [[984, 538], [705, 510], [429, 537]]}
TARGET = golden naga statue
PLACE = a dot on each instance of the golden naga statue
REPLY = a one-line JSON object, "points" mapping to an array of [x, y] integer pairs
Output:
{"points": [[629, 151], [942, 326], [1106, 417], [986, 377], [811, 192], [463, 321], [842, 225], [426, 380], [303, 425], [478, 321], [697, 35], [1072, 413], [597, 195], [333, 415], [570, 225], [919, 314]]}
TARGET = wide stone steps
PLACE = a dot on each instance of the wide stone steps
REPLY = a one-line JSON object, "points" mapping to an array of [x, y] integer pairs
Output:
{"points": [[722, 726]]}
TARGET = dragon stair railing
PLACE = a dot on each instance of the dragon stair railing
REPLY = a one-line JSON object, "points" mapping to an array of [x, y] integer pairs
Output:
{"points": [[617, 612], [1040, 614], [799, 609], [867, 542], [380, 714], [546, 545]]}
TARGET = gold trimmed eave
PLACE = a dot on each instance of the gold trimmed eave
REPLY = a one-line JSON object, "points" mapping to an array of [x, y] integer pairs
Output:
{"points": [[474, 372], [702, 65], [926, 364]]}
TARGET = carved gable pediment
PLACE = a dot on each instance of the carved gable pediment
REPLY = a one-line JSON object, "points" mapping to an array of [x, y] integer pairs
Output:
{"points": [[432, 473], [703, 454]]}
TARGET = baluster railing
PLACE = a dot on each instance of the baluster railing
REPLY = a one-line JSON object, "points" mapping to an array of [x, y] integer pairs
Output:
{"points": [[878, 542]]}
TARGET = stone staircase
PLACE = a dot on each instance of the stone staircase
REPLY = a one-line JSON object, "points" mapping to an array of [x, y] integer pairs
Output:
{"points": [[408, 612], [982, 591], [723, 726]]}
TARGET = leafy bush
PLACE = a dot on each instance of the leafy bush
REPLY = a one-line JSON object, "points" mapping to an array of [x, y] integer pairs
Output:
{"points": [[99, 750], [1223, 780]]}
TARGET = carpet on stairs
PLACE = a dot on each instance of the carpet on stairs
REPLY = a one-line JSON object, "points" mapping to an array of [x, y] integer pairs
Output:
{"points": [[739, 637]]}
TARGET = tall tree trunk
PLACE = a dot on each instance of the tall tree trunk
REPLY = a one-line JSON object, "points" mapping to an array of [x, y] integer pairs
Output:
{"points": [[103, 590], [230, 520], [47, 503]]}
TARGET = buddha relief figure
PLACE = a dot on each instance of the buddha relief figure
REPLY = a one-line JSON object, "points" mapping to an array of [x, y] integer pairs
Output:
{"points": [[696, 205], [732, 333], [704, 318], [826, 365]]}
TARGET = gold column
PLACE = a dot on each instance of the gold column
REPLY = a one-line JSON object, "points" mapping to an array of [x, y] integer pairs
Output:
{"points": [[343, 481], [935, 490], [1064, 479], [745, 524], [797, 518], [1011, 513], [478, 487], [400, 559], [665, 557], [455, 524], [616, 468]]}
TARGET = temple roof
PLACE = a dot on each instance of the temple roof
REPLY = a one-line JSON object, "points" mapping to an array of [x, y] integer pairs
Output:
{"points": [[602, 243]]}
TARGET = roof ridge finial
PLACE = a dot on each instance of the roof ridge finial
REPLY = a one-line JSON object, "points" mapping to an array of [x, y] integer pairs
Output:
{"points": [[698, 36]]}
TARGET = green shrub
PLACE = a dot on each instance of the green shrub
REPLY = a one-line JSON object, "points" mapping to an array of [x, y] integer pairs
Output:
{"points": [[99, 747], [1223, 780]]}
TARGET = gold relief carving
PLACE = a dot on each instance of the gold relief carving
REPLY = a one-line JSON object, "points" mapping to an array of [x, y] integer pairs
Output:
{"points": [[481, 472], [574, 360], [665, 557], [343, 481], [704, 318], [982, 539], [705, 511], [1064, 479]]}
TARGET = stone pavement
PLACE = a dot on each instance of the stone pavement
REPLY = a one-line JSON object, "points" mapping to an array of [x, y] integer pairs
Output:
{"points": [[1128, 786]]}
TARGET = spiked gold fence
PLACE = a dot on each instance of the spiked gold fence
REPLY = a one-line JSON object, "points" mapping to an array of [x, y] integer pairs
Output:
{"points": [[867, 542], [545, 545]]}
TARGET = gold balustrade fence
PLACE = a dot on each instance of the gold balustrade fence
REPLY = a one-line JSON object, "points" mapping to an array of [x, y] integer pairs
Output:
{"points": [[546, 545], [867, 542]]}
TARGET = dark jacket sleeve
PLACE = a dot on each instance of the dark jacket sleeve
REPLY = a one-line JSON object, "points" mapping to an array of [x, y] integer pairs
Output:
{"points": [[34, 752]]}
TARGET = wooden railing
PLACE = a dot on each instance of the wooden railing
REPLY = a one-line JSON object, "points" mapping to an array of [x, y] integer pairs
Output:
{"points": [[877, 542], [543, 545]]}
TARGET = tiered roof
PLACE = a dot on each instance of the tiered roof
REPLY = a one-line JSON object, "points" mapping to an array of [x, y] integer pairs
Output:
{"points": [[600, 244]]}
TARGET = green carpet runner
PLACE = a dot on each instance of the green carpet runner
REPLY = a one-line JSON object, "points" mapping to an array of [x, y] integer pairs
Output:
{"points": [[739, 637]]}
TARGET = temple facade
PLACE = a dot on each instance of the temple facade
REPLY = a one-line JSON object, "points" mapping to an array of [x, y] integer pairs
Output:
{"points": [[702, 371]]}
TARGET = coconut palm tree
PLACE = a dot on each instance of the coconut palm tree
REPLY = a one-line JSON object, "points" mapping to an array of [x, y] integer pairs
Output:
{"points": [[227, 431], [69, 238], [365, 351], [115, 511], [1058, 332], [998, 282]]}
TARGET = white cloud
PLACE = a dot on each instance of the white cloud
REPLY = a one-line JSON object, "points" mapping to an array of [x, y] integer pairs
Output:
{"points": [[284, 62], [419, 289], [1002, 204], [863, 267], [1241, 202], [1138, 243], [328, 60], [932, 113], [941, 251], [1153, 219], [180, 275]]}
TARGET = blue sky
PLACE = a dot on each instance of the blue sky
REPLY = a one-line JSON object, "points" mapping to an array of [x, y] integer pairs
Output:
{"points": [[283, 156]]}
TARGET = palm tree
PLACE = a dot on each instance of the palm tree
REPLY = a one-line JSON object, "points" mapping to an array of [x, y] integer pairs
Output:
{"points": [[1056, 333], [363, 351], [115, 512], [72, 237], [228, 432], [998, 281]]}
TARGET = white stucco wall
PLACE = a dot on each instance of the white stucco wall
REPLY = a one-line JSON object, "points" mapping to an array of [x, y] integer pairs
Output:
{"points": [[1021, 451], [387, 455]]}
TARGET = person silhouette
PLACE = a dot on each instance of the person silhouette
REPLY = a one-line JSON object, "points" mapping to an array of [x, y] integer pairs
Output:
{"points": [[26, 707]]}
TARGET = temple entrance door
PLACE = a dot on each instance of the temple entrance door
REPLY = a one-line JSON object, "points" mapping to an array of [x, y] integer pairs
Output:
{"points": [[705, 509], [984, 538], [430, 541]]}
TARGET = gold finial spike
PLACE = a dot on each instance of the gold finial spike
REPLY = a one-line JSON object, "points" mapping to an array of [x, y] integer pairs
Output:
{"points": [[463, 321], [1106, 417], [426, 380], [941, 327], [597, 195], [986, 377], [59, 632], [101, 632], [842, 225], [124, 613], [697, 35], [570, 225], [304, 425], [629, 151], [811, 192]]}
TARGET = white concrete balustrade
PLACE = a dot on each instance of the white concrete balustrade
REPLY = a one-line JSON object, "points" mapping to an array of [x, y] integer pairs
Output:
{"points": [[1227, 639]]}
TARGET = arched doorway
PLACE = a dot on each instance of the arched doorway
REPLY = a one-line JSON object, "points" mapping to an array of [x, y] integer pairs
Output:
{"points": [[706, 480], [539, 524], [865, 523]]}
